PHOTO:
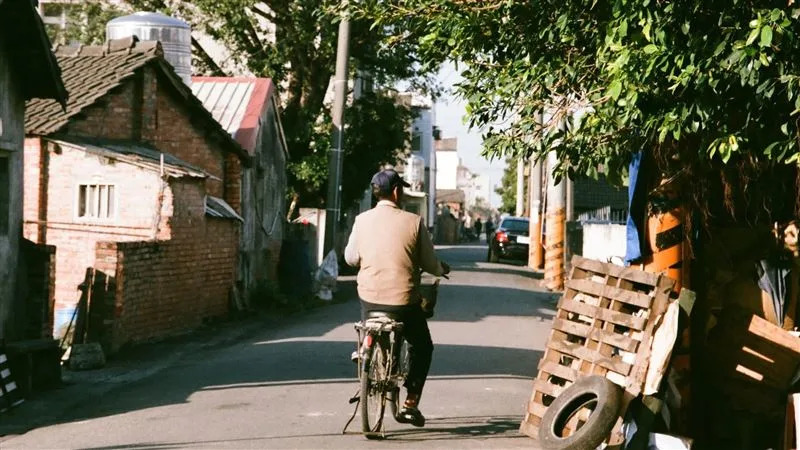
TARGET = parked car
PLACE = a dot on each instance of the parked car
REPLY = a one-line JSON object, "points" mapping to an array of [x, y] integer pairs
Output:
{"points": [[510, 240]]}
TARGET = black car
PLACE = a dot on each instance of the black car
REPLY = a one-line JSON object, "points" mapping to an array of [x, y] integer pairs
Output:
{"points": [[510, 240]]}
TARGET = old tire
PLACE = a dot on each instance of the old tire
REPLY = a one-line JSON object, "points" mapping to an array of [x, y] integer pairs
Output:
{"points": [[594, 392], [493, 258]]}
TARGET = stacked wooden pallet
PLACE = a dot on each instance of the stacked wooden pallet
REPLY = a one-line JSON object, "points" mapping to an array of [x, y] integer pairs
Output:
{"points": [[604, 326], [9, 392]]}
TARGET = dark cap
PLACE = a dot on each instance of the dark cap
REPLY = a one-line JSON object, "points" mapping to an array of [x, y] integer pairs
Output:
{"points": [[386, 180]]}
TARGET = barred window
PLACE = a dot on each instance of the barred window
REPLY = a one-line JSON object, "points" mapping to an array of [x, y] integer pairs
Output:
{"points": [[96, 201]]}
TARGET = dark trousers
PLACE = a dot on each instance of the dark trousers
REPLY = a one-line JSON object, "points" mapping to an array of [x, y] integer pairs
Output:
{"points": [[418, 336]]}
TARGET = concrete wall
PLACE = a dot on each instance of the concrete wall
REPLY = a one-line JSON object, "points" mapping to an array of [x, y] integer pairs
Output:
{"points": [[602, 241], [12, 109]]}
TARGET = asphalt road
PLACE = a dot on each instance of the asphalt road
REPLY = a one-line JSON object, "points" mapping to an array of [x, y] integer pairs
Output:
{"points": [[288, 387]]}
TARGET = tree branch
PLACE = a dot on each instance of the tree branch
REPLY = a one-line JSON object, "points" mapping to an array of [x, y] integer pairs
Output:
{"points": [[216, 70]]}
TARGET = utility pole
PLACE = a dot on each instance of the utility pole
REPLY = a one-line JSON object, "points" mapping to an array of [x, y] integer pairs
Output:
{"points": [[554, 240], [333, 208], [535, 254], [520, 186]]}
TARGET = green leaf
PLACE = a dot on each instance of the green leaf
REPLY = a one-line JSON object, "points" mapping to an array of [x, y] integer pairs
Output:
{"points": [[752, 37], [615, 89], [623, 29], [650, 49], [646, 31], [766, 36], [768, 150], [785, 128]]}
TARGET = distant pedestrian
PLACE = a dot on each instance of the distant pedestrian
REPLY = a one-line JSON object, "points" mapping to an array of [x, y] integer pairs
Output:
{"points": [[489, 229], [478, 227]]}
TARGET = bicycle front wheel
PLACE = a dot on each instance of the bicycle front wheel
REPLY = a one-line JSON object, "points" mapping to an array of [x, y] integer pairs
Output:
{"points": [[373, 393]]}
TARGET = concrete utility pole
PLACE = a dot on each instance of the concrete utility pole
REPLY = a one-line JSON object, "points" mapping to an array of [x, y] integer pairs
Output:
{"points": [[535, 254], [333, 208], [554, 240], [520, 186]]}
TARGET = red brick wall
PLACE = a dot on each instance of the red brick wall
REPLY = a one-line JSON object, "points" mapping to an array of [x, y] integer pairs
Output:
{"points": [[146, 108], [167, 287], [112, 117], [35, 190], [173, 130], [137, 193]]}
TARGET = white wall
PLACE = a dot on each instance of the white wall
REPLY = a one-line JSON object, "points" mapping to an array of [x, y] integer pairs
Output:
{"points": [[447, 163], [603, 241]]}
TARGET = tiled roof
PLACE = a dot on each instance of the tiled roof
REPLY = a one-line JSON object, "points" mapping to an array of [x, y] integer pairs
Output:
{"points": [[91, 72], [134, 153], [237, 103]]}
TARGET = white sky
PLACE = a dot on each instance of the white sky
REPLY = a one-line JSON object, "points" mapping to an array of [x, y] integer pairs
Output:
{"points": [[449, 113]]}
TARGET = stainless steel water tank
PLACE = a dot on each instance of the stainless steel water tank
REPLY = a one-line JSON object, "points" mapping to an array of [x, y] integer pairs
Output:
{"points": [[174, 34]]}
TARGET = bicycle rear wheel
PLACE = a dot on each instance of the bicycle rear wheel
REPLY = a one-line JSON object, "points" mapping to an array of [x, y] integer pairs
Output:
{"points": [[373, 393]]}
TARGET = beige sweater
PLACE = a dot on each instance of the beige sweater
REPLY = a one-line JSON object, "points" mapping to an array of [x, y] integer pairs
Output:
{"points": [[392, 246]]}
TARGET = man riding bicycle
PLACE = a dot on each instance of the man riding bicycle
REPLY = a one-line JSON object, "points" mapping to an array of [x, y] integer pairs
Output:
{"points": [[393, 247]]}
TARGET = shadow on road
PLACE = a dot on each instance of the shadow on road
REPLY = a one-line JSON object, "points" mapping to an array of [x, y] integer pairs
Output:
{"points": [[451, 428], [301, 351]]}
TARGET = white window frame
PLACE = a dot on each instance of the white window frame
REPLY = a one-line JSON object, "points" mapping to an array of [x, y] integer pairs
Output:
{"points": [[97, 219]]}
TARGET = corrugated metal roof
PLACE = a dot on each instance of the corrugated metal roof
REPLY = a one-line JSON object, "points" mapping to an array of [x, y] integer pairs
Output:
{"points": [[227, 100], [217, 207], [134, 153]]}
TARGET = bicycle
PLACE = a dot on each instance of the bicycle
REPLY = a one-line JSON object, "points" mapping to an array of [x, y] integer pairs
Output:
{"points": [[383, 364], [383, 367]]}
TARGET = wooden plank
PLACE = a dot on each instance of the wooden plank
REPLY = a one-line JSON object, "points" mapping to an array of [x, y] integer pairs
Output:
{"points": [[618, 318], [558, 370], [620, 341], [774, 334], [537, 409], [574, 328], [628, 273], [592, 356], [548, 388], [529, 429], [611, 292]]}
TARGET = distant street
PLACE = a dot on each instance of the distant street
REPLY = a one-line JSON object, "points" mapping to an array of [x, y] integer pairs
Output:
{"points": [[288, 387]]}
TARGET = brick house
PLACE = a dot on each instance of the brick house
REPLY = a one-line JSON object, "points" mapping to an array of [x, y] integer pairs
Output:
{"points": [[136, 185], [28, 70], [248, 109]]}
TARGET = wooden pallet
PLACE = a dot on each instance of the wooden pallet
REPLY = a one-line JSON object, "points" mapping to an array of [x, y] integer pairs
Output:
{"points": [[603, 326], [9, 392]]}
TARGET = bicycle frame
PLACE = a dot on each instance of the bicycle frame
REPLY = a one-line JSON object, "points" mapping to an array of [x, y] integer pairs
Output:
{"points": [[388, 334]]}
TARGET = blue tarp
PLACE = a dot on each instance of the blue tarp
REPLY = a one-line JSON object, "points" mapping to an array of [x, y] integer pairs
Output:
{"points": [[637, 204]]}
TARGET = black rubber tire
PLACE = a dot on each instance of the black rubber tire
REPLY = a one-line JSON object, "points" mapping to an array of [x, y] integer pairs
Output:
{"points": [[608, 397], [373, 401], [493, 258]]}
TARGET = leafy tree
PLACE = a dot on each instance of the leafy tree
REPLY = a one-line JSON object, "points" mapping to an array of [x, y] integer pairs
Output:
{"points": [[709, 88], [508, 187], [294, 43]]}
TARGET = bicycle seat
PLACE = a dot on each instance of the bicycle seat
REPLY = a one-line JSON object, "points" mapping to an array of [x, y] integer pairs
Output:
{"points": [[382, 314], [381, 321]]}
